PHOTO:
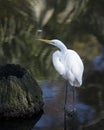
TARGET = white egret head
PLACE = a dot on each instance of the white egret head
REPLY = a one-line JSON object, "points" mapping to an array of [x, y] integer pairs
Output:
{"points": [[56, 43]]}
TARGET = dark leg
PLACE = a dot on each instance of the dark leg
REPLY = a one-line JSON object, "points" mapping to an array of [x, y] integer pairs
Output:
{"points": [[65, 114], [74, 98], [70, 115]]}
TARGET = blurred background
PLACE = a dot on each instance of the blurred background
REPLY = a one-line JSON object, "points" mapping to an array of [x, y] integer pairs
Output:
{"points": [[78, 23]]}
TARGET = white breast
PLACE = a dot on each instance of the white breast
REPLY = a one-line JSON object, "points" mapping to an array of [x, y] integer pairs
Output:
{"points": [[70, 66]]}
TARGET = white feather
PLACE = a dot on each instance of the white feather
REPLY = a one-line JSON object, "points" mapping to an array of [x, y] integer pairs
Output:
{"points": [[68, 64]]}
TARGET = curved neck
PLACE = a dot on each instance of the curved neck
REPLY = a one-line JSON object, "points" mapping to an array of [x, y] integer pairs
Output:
{"points": [[59, 44], [62, 47]]}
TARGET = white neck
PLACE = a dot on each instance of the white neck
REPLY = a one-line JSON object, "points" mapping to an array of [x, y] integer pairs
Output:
{"points": [[60, 45]]}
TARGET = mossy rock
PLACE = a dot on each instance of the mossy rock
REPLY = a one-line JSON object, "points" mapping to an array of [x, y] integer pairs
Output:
{"points": [[20, 94]]}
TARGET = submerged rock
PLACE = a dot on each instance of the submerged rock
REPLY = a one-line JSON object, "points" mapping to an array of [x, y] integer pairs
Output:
{"points": [[20, 94]]}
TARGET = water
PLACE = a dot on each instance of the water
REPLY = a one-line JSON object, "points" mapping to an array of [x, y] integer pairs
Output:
{"points": [[90, 98], [53, 109], [88, 111]]}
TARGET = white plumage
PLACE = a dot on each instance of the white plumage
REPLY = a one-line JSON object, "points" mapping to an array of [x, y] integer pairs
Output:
{"points": [[67, 63]]}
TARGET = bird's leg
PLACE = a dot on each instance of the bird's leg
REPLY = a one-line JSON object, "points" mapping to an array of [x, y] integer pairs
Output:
{"points": [[65, 113], [66, 93], [74, 98]]}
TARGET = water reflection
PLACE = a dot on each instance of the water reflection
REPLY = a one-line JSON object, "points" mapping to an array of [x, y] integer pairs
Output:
{"points": [[89, 110], [85, 113], [17, 124], [98, 61], [53, 110]]}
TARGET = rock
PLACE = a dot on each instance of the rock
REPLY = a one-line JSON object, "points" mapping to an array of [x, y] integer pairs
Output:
{"points": [[20, 94]]}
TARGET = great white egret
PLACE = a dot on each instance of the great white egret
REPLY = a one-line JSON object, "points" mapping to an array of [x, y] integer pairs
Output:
{"points": [[68, 64]]}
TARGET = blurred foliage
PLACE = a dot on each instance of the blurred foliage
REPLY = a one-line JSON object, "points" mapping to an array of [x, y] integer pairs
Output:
{"points": [[22, 22], [91, 46]]}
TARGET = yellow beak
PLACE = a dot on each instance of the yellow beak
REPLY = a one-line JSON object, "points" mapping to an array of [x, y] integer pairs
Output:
{"points": [[45, 41]]}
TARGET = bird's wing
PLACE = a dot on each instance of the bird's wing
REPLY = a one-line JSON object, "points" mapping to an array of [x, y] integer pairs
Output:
{"points": [[57, 62], [74, 67]]}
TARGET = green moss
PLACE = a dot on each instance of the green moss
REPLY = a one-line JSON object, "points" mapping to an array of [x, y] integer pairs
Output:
{"points": [[20, 96]]}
